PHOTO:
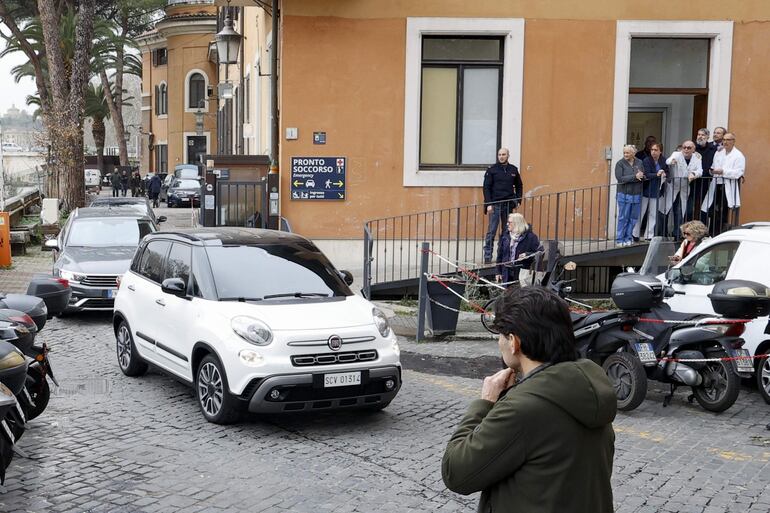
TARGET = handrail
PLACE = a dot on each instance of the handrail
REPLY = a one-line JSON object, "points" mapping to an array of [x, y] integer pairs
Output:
{"points": [[583, 220]]}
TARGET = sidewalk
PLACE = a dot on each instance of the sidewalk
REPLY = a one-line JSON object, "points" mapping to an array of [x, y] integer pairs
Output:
{"points": [[23, 267], [471, 353]]}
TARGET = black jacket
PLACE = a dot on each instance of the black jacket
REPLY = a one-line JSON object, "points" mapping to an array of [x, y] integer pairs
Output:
{"points": [[707, 156], [651, 186], [528, 244], [502, 182]]}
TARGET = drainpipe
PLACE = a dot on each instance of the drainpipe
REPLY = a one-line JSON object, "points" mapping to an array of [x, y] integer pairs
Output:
{"points": [[242, 96], [274, 89]]}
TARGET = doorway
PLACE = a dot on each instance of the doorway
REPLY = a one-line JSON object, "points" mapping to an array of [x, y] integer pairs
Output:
{"points": [[196, 148]]}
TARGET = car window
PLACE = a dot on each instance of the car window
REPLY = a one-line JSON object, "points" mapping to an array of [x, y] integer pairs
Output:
{"points": [[252, 271], [711, 265], [151, 264], [751, 263], [202, 281], [179, 262], [137, 259], [108, 232]]}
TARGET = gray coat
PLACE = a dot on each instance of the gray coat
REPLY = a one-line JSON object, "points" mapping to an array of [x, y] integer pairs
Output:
{"points": [[625, 173]]}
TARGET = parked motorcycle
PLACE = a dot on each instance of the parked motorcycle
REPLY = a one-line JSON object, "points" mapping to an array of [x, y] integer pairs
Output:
{"points": [[46, 296], [7, 440], [13, 375], [644, 339]]}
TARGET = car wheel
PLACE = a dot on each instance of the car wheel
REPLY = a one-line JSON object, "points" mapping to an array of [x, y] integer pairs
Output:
{"points": [[129, 361], [627, 376], [763, 377], [214, 399]]}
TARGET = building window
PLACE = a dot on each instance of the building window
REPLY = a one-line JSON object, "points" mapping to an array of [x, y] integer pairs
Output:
{"points": [[460, 100], [197, 91], [464, 86], [161, 99], [160, 57], [161, 158]]}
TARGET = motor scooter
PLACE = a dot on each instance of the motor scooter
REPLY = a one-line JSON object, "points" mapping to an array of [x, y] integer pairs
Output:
{"points": [[7, 439]]}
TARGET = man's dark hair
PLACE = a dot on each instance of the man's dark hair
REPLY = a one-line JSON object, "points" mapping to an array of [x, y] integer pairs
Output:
{"points": [[542, 322]]}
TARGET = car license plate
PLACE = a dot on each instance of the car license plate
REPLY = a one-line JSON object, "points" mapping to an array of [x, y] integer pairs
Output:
{"points": [[343, 379], [744, 364], [645, 352], [112, 293], [185, 199]]}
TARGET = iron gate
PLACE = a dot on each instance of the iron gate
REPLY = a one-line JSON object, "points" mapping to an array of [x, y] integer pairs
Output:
{"points": [[242, 203]]}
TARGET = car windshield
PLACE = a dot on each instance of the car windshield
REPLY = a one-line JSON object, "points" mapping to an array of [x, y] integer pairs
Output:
{"points": [[290, 271], [186, 184], [108, 231]]}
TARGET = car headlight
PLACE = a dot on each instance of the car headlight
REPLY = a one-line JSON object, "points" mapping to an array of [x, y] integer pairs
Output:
{"points": [[71, 276], [381, 322], [12, 359], [252, 330]]}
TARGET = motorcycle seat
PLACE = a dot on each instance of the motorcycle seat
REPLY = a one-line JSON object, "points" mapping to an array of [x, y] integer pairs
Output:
{"points": [[581, 320]]}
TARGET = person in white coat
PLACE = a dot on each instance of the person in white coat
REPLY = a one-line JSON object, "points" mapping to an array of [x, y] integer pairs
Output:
{"points": [[683, 167], [724, 195]]}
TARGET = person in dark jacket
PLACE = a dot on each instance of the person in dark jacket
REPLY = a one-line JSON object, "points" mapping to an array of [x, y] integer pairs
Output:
{"points": [[115, 182], [503, 191], [540, 438], [629, 174], [124, 179], [136, 184], [700, 186], [645, 152], [153, 190], [516, 243], [655, 169]]}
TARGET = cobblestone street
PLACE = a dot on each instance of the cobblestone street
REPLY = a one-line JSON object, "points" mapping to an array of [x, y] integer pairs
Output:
{"points": [[112, 443]]}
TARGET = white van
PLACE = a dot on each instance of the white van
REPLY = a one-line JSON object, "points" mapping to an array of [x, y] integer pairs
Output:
{"points": [[93, 179]]}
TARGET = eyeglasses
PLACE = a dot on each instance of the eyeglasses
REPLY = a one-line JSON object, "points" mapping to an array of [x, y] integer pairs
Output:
{"points": [[688, 147], [687, 233], [728, 139]]}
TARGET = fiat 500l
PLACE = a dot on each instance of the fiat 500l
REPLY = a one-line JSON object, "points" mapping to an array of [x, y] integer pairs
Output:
{"points": [[255, 320]]}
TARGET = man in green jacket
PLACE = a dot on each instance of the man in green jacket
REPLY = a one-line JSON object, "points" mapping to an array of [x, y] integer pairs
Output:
{"points": [[540, 439]]}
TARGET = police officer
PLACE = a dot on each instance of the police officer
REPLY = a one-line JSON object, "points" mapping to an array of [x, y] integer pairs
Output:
{"points": [[502, 182]]}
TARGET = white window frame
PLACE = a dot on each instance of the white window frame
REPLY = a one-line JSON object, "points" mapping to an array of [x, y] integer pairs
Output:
{"points": [[185, 135], [512, 29], [721, 35], [187, 90]]}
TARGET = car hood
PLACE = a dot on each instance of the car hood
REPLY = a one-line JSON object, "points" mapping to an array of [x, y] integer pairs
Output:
{"points": [[89, 260], [306, 313]]}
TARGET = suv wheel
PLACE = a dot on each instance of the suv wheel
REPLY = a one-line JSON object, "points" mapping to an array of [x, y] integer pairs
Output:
{"points": [[216, 403], [763, 377], [129, 360]]}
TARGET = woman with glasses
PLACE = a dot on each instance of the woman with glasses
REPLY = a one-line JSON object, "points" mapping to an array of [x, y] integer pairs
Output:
{"points": [[693, 232], [516, 249], [629, 173]]}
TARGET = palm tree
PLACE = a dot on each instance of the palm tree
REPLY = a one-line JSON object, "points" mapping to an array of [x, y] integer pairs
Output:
{"points": [[98, 110]]}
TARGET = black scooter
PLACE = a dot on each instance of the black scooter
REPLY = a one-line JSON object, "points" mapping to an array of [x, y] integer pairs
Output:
{"points": [[7, 439], [645, 339]]}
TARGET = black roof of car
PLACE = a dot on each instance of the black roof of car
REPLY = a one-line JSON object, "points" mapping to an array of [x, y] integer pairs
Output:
{"points": [[230, 236], [109, 211]]}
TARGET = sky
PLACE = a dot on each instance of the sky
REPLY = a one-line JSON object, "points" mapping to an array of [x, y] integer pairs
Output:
{"points": [[12, 93]]}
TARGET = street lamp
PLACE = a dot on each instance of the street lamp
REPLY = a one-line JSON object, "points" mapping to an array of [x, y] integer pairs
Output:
{"points": [[228, 42]]}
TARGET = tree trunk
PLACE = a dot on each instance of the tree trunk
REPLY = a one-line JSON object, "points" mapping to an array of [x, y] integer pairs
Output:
{"points": [[99, 132], [68, 81], [117, 116]]}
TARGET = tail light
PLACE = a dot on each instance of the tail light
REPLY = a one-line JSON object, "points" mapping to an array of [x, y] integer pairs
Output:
{"points": [[23, 319], [63, 281], [727, 330], [736, 330]]}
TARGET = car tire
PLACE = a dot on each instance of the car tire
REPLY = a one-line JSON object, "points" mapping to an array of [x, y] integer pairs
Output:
{"points": [[129, 361], [763, 377], [212, 392], [627, 376]]}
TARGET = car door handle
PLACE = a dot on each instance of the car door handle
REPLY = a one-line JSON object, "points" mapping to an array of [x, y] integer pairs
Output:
{"points": [[160, 302], [130, 287]]}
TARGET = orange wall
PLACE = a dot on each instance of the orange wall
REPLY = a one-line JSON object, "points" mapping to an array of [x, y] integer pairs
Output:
{"points": [[567, 104], [749, 106]]}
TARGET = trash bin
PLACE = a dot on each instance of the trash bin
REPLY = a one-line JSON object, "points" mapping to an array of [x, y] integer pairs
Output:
{"points": [[443, 321]]}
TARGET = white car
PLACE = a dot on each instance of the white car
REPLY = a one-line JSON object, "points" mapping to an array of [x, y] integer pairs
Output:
{"points": [[741, 254], [255, 320]]}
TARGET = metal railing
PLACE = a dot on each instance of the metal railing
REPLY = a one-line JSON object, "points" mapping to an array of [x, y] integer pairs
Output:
{"points": [[584, 220]]}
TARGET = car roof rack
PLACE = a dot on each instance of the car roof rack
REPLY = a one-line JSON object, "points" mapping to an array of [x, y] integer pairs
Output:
{"points": [[756, 224]]}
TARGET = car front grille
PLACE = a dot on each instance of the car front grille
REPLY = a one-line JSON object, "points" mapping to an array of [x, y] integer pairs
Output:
{"points": [[100, 280], [307, 360]]}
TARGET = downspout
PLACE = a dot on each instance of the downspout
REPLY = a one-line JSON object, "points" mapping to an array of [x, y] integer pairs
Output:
{"points": [[242, 96], [274, 153]]}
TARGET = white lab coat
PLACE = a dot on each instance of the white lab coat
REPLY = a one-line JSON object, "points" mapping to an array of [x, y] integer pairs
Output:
{"points": [[734, 166], [677, 182]]}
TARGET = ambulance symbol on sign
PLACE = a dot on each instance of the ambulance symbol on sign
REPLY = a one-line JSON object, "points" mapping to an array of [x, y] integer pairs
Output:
{"points": [[340, 165]]}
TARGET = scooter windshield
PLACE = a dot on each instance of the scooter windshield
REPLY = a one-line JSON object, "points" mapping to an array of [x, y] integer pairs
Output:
{"points": [[656, 261]]}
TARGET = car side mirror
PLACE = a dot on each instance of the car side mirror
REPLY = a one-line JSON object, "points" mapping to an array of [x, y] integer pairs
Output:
{"points": [[347, 277], [52, 244], [174, 286], [162, 219]]}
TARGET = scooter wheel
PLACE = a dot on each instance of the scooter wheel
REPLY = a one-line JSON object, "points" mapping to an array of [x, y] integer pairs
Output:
{"points": [[720, 387], [40, 393], [626, 373], [488, 316]]}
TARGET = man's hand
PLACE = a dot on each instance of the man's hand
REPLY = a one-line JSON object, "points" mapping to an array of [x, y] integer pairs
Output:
{"points": [[498, 278], [490, 208], [639, 175], [718, 171], [690, 177], [495, 384]]}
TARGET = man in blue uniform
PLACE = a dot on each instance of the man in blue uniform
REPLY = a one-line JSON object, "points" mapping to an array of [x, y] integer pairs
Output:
{"points": [[503, 191]]}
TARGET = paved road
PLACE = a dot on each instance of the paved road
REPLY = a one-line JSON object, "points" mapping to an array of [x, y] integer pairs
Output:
{"points": [[111, 443]]}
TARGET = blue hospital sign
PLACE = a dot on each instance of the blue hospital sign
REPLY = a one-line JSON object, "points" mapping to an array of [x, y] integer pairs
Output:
{"points": [[318, 178]]}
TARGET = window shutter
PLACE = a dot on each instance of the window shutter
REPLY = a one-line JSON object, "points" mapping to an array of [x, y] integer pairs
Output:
{"points": [[154, 57], [157, 100]]}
